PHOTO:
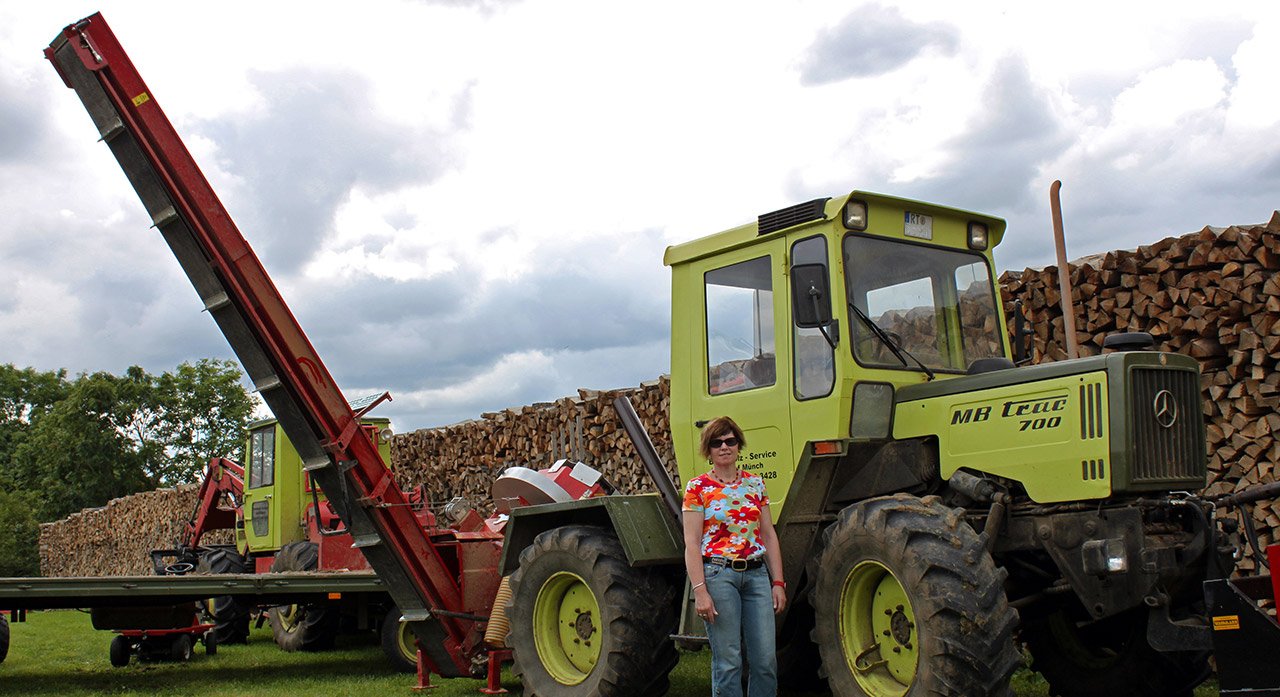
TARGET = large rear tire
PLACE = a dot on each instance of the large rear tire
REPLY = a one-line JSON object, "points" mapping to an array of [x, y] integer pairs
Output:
{"points": [[1110, 656], [908, 602], [302, 627], [229, 616], [585, 622]]}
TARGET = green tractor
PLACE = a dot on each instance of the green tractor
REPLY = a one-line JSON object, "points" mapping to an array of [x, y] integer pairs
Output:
{"points": [[936, 504]]}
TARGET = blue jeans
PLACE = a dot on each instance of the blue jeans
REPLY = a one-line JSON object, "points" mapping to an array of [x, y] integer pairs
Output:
{"points": [[744, 628]]}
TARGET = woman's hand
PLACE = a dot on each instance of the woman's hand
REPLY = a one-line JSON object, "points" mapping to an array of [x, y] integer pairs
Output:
{"points": [[779, 599], [705, 607]]}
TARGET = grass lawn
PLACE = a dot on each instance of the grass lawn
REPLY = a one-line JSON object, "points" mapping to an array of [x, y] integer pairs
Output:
{"points": [[59, 653]]}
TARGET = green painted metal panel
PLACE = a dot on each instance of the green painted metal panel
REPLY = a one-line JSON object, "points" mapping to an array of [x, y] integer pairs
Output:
{"points": [[647, 531]]}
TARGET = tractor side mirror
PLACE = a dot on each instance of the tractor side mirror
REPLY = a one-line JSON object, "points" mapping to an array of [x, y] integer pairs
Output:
{"points": [[810, 300]]}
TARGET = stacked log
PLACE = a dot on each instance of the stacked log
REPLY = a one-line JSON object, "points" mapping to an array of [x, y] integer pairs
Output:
{"points": [[1213, 295], [463, 460], [117, 539]]}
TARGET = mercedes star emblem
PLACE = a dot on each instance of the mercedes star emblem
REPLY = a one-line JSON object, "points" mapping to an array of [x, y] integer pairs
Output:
{"points": [[1165, 408]]}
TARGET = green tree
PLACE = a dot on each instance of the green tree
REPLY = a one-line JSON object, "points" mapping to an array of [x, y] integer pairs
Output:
{"points": [[25, 396], [206, 410], [96, 444], [19, 537], [107, 436]]}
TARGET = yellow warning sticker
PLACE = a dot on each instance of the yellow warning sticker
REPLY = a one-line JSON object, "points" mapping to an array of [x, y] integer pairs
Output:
{"points": [[141, 99], [1222, 623]]}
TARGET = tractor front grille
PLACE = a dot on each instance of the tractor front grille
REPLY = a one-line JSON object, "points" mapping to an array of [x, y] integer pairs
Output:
{"points": [[1168, 427]]}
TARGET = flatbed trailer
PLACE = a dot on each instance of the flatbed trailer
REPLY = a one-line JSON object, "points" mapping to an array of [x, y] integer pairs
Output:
{"points": [[153, 613], [44, 593]]}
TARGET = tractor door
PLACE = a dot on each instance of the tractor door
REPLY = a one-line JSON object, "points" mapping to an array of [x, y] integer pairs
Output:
{"points": [[743, 358], [261, 512]]}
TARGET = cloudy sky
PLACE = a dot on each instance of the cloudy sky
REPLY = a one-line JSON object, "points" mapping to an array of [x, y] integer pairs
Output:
{"points": [[466, 202]]}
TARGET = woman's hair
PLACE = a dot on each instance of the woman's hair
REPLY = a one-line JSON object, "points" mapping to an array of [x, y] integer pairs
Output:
{"points": [[718, 428]]}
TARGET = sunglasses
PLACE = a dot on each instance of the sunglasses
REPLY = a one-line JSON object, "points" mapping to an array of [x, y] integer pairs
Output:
{"points": [[717, 442]]}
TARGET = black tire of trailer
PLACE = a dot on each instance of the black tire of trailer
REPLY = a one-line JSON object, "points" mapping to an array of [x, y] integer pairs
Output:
{"points": [[637, 614], [4, 637], [229, 616], [398, 642], [303, 626], [120, 651], [180, 649], [1110, 656], [952, 610]]}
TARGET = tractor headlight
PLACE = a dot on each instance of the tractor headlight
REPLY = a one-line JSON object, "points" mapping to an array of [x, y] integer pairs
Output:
{"points": [[1104, 557], [385, 435], [855, 215], [977, 236]]}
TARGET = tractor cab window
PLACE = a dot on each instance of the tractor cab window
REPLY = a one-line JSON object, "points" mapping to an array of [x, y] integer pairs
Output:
{"points": [[936, 304], [262, 457], [740, 345]]}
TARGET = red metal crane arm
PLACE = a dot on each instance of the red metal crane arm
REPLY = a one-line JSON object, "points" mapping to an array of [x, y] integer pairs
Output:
{"points": [[270, 343]]}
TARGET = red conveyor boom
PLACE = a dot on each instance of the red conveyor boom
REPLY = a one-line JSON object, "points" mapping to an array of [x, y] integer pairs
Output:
{"points": [[268, 340]]}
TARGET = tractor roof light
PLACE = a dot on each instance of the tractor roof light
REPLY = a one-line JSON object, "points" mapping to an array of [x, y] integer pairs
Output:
{"points": [[855, 215], [977, 236]]}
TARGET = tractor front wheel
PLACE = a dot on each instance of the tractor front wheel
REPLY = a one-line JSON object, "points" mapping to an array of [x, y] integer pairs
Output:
{"points": [[908, 602], [301, 627], [1109, 656], [585, 622]]}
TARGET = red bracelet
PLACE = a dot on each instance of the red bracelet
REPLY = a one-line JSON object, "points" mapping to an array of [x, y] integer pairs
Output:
{"points": [[780, 584]]}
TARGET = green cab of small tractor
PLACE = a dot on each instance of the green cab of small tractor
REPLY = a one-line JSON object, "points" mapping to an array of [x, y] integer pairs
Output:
{"points": [[803, 325], [277, 488]]}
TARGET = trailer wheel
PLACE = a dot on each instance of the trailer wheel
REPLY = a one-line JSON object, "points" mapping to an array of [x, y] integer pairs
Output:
{"points": [[1110, 656], [302, 627], [399, 642], [585, 622], [180, 648], [4, 637], [230, 616], [908, 602], [210, 644], [120, 651]]}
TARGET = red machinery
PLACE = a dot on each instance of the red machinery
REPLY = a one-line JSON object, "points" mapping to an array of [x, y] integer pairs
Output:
{"points": [[445, 589]]}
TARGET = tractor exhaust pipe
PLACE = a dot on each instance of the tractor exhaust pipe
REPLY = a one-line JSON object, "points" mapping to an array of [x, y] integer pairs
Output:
{"points": [[648, 455], [1064, 272]]}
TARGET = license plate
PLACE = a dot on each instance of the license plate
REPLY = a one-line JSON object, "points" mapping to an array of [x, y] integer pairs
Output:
{"points": [[917, 225]]}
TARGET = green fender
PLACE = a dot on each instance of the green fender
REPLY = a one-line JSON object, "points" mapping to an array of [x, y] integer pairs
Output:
{"points": [[648, 533]]}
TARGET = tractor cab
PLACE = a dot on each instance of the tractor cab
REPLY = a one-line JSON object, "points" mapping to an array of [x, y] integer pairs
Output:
{"points": [[281, 503], [802, 325]]}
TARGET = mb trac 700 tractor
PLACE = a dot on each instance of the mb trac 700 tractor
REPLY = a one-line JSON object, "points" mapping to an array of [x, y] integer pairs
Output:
{"points": [[935, 503]]}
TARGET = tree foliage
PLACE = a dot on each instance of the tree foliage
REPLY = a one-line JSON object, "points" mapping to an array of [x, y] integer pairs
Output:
{"points": [[66, 445]]}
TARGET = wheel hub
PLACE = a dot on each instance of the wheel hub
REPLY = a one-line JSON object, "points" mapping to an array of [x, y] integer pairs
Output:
{"points": [[877, 627], [565, 628]]}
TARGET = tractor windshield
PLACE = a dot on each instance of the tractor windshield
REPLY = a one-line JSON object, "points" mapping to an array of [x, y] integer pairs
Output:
{"points": [[938, 304]]}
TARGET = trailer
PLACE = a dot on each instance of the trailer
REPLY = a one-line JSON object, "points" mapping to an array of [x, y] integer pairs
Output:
{"points": [[160, 616]]}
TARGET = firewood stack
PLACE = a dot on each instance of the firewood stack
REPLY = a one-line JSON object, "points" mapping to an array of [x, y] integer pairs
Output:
{"points": [[1213, 295], [117, 539], [463, 460]]}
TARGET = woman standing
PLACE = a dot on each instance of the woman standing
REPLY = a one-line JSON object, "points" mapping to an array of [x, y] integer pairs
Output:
{"points": [[735, 568]]}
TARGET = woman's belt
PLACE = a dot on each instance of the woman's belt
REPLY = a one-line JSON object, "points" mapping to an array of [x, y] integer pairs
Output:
{"points": [[735, 564]]}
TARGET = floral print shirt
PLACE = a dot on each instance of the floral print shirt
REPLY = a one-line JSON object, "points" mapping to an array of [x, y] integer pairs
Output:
{"points": [[730, 514]]}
